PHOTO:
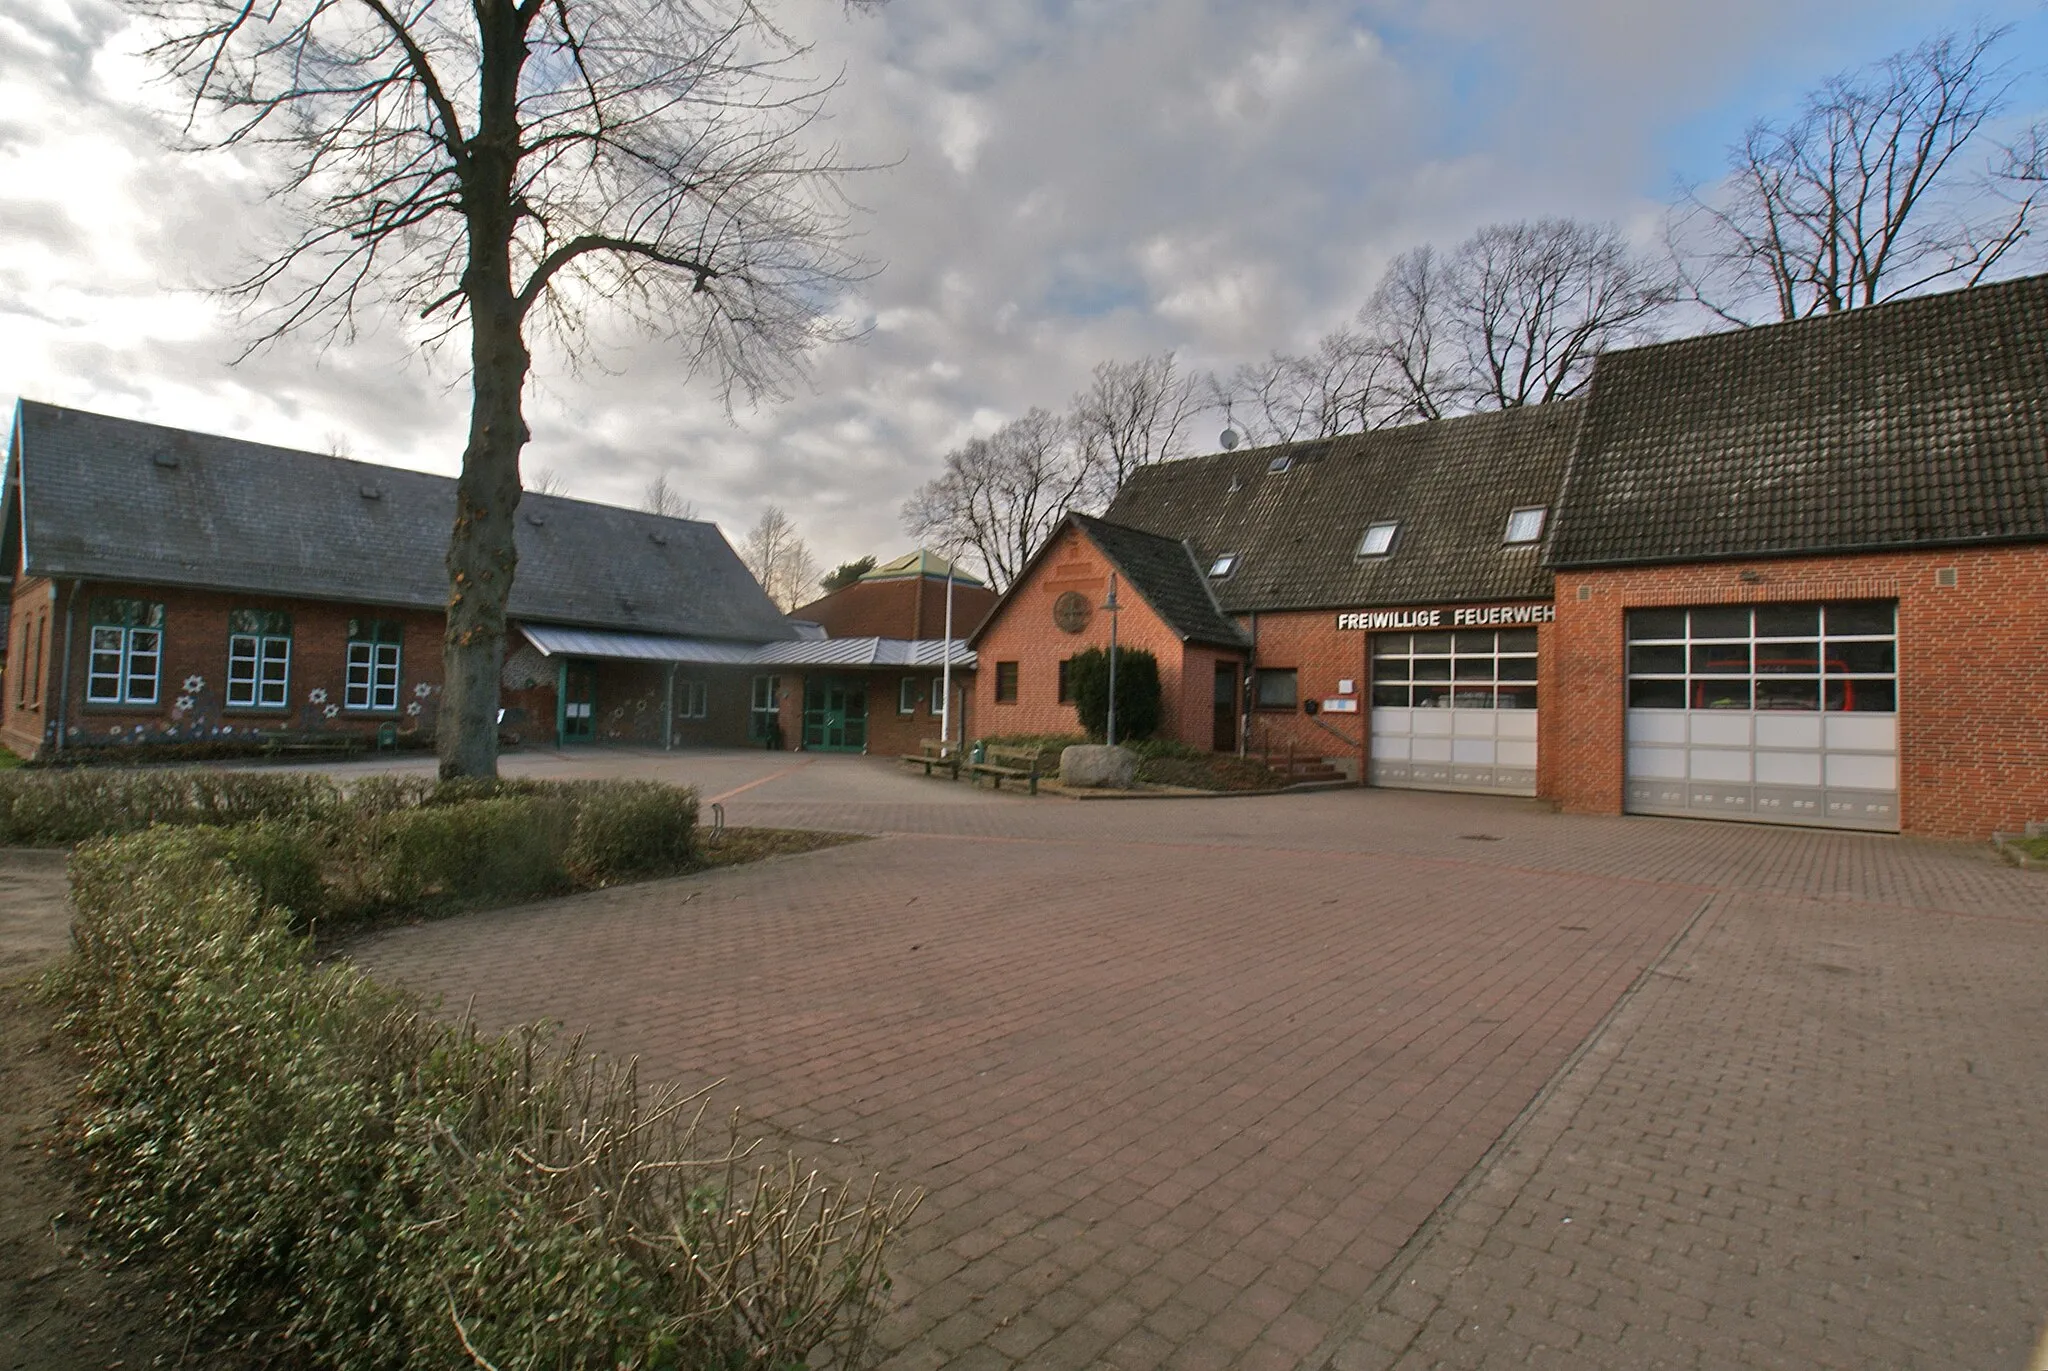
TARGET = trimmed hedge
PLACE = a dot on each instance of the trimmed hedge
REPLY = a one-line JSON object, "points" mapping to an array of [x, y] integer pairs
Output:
{"points": [[330, 1176]]}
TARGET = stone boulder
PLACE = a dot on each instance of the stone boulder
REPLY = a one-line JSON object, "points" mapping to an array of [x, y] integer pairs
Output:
{"points": [[1088, 767]]}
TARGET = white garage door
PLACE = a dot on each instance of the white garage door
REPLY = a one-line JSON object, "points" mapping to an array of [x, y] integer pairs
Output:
{"points": [[1455, 711], [1777, 713]]}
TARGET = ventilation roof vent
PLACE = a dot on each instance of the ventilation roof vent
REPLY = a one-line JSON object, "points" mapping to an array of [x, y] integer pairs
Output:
{"points": [[166, 459], [372, 491]]}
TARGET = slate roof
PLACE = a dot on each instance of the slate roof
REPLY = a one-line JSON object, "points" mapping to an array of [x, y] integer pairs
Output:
{"points": [[115, 500], [1450, 485], [1164, 572], [1919, 423]]}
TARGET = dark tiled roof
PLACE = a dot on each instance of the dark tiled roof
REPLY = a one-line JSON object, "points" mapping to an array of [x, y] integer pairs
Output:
{"points": [[99, 501], [1163, 570], [1918, 423], [1450, 485]]}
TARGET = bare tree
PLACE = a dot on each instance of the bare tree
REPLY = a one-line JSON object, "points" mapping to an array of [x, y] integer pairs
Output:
{"points": [[505, 166], [1337, 388], [1000, 497], [659, 497], [1131, 415], [1404, 323], [1872, 191], [1531, 305], [780, 559], [546, 481]]}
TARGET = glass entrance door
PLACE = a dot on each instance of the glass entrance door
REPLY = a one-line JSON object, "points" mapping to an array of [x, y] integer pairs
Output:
{"points": [[579, 702], [835, 713]]}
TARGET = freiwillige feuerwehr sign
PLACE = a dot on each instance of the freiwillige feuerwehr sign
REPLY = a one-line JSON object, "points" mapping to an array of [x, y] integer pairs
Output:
{"points": [[1448, 616]]}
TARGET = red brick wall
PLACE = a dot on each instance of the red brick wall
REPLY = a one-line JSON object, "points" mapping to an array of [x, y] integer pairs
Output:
{"points": [[196, 655], [1023, 632], [34, 635], [1323, 658], [1973, 674]]}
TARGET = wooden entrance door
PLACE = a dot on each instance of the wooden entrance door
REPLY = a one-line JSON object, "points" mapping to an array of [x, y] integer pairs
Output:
{"points": [[1225, 734]]}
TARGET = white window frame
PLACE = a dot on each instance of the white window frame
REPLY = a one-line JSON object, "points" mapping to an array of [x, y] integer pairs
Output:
{"points": [[1536, 515], [1223, 566], [906, 695], [259, 670], [693, 700], [127, 647], [936, 701], [375, 669], [1373, 535]]}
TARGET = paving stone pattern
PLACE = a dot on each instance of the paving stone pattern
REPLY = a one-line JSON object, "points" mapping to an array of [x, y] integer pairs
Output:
{"points": [[1214, 1083]]}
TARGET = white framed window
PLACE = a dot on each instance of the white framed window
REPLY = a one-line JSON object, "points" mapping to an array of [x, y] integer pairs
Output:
{"points": [[764, 715], [374, 660], [906, 695], [1279, 464], [1378, 540], [259, 659], [125, 652], [937, 699], [1223, 566], [693, 700], [1525, 526]]}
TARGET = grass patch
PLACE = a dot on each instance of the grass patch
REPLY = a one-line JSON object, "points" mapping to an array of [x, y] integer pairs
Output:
{"points": [[2033, 849], [1209, 771], [737, 846]]}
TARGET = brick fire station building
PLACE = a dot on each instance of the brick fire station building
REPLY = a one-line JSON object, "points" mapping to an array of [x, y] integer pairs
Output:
{"points": [[1792, 574]]}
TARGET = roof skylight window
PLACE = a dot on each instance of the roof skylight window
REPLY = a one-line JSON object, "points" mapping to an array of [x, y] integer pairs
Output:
{"points": [[1280, 463], [1378, 540], [1525, 525], [1223, 566]]}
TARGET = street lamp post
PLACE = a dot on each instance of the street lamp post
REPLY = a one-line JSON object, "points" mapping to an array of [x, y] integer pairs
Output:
{"points": [[1111, 607]]}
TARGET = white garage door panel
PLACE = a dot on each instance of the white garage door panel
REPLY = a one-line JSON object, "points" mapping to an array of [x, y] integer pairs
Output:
{"points": [[1515, 752], [1430, 749], [1788, 768], [1784, 713]]}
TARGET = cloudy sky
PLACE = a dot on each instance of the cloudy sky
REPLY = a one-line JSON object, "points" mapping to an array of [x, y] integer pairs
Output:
{"points": [[1071, 180]]}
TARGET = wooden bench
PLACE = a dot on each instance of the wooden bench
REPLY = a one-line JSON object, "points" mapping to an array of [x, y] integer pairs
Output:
{"points": [[935, 753], [1001, 764]]}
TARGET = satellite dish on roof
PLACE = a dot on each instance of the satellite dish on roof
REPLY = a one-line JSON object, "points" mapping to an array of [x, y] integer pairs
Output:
{"points": [[1229, 439]]}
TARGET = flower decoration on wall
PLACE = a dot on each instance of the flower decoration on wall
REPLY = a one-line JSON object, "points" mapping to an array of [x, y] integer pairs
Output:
{"points": [[413, 708], [184, 702], [194, 684], [330, 711], [319, 697], [423, 689]]}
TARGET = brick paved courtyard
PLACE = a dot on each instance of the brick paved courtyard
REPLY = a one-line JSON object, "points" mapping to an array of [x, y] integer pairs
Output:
{"points": [[1226, 1083]]}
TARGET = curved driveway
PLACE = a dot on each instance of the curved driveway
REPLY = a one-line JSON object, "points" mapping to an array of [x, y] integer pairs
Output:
{"points": [[1328, 1079]]}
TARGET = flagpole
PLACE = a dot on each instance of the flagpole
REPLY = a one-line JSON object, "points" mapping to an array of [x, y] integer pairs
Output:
{"points": [[946, 665]]}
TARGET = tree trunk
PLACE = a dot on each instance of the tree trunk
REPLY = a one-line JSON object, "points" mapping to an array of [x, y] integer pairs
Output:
{"points": [[481, 551]]}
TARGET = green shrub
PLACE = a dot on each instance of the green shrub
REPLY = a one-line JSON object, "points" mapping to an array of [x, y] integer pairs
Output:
{"points": [[48, 807], [1138, 706], [509, 848], [319, 1168], [632, 829]]}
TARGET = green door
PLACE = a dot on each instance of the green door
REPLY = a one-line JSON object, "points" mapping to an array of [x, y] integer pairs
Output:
{"points": [[579, 702], [835, 713]]}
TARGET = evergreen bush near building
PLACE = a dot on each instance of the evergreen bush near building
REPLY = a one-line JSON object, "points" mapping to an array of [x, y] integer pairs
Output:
{"points": [[1138, 708]]}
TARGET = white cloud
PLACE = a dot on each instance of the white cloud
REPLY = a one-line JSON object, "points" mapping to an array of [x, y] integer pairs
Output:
{"points": [[1065, 180]]}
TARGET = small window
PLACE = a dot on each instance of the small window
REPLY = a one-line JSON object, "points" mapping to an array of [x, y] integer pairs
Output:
{"points": [[936, 701], [1378, 540], [1067, 681], [764, 714], [1525, 526], [1274, 688], [125, 652], [906, 695], [1223, 566], [1006, 683], [1280, 463], [693, 700], [374, 659], [259, 659]]}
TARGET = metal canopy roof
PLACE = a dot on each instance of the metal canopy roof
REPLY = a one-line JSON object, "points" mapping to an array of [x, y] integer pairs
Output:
{"points": [[554, 641]]}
